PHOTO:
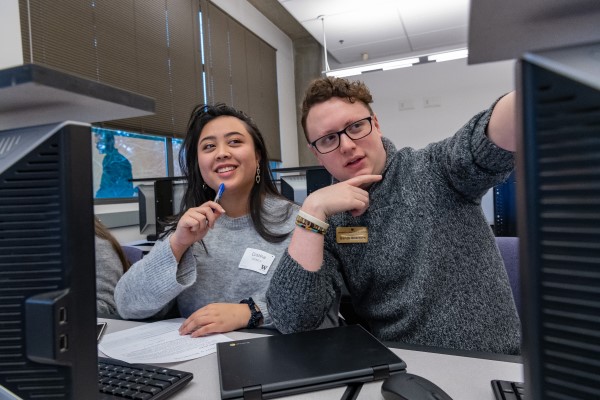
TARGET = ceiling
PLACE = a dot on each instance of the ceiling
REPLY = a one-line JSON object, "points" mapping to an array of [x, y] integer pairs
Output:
{"points": [[359, 31]]}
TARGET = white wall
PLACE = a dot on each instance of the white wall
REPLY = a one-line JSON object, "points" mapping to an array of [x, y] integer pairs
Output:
{"points": [[11, 53], [461, 91], [252, 19]]}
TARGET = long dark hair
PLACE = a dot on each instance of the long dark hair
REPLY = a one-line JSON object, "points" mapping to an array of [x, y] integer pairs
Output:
{"points": [[197, 192]]}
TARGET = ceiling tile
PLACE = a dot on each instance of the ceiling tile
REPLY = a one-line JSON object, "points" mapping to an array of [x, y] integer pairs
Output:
{"points": [[361, 29], [380, 27], [376, 50], [456, 37]]}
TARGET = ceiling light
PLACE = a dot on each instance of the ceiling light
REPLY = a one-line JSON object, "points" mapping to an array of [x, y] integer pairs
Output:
{"points": [[402, 63], [449, 55], [343, 72], [385, 65], [407, 62]]}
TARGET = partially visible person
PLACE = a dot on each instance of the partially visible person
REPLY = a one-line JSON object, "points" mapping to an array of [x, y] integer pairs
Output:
{"points": [[403, 229], [116, 168], [111, 264], [215, 261]]}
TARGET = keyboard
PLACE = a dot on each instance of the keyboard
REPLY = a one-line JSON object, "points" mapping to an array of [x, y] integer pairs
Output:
{"points": [[505, 390], [120, 380]]}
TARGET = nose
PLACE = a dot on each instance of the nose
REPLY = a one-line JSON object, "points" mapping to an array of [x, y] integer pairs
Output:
{"points": [[346, 144], [223, 153]]}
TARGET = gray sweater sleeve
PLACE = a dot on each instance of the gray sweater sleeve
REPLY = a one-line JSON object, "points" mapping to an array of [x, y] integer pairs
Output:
{"points": [[108, 271], [301, 300], [151, 284], [469, 161]]}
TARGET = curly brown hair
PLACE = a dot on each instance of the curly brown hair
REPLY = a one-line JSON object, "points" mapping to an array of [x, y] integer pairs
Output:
{"points": [[323, 89]]}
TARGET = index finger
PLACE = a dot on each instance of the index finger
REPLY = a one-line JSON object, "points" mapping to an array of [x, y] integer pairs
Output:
{"points": [[361, 180]]}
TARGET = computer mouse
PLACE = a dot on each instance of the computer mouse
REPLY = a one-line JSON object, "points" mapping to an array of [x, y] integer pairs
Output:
{"points": [[407, 386]]}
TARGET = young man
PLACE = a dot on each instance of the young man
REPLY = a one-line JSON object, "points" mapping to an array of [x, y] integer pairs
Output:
{"points": [[405, 231]]}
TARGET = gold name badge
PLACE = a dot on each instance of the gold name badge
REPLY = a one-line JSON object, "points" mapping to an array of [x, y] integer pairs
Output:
{"points": [[352, 234]]}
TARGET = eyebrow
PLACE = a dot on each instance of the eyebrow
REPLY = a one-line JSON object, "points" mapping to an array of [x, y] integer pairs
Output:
{"points": [[226, 136], [347, 124]]}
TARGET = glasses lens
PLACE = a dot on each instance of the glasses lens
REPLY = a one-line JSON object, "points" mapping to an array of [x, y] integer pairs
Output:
{"points": [[328, 143], [359, 129]]}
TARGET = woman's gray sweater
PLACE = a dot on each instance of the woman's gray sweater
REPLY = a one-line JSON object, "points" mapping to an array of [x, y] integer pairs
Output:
{"points": [[431, 273], [204, 276]]}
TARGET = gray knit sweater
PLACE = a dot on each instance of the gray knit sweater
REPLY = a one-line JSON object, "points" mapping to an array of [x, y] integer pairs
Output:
{"points": [[152, 284], [431, 273], [108, 271]]}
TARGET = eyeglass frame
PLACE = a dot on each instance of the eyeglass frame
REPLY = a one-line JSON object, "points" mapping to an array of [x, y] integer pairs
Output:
{"points": [[343, 132]]}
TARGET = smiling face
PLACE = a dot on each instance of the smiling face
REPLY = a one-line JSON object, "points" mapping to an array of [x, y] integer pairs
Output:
{"points": [[354, 157], [226, 154]]}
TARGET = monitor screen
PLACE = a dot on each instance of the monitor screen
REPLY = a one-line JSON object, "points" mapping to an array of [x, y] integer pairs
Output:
{"points": [[47, 271], [558, 183], [158, 200], [297, 187], [505, 207]]}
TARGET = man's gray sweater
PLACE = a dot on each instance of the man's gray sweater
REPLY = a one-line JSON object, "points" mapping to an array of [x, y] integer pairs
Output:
{"points": [[431, 273]]}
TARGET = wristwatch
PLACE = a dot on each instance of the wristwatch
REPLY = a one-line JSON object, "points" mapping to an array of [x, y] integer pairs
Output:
{"points": [[255, 314]]}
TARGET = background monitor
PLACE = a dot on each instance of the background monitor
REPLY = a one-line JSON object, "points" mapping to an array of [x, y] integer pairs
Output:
{"points": [[297, 187], [559, 221], [47, 269], [157, 201], [505, 207]]}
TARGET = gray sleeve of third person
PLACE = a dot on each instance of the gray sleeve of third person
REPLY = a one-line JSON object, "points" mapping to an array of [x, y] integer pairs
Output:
{"points": [[152, 283]]}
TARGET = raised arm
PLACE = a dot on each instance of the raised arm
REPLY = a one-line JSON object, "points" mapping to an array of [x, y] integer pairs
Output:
{"points": [[502, 129], [306, 247]]}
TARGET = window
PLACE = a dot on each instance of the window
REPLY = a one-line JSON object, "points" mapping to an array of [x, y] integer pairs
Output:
{"points": [[175, 149], [119, 156]]}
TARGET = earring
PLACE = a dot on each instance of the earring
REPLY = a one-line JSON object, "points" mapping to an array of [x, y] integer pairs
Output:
{"points": [[203, 185], [258, 174]]}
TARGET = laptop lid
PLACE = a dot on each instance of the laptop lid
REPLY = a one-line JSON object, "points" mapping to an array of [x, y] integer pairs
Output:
{"points": [[282, 365]]}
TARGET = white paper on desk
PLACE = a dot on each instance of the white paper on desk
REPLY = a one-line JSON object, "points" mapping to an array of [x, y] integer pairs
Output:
{"points": [[158, 342]]}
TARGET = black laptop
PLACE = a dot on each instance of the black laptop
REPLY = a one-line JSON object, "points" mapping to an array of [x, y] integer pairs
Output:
{"points": [[283, 365]]}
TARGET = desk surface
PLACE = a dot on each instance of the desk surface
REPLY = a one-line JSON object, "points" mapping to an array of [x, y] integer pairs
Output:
{"points": [[463, 378]]}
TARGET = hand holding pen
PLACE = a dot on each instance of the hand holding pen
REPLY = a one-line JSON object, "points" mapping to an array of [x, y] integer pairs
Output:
{"points": [[218, 196], [194, 224]]}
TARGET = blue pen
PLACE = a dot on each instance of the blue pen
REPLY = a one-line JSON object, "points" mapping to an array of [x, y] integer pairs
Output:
{"points": [[219, 192]]}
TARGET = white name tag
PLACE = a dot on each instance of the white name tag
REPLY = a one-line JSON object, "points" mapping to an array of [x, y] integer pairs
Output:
{"points": [[257, 260]]}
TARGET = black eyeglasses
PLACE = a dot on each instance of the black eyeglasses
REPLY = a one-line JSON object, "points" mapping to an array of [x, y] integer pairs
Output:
{"points": [[331, 141]]}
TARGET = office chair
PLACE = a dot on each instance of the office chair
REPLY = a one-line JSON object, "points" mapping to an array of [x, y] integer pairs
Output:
{"points": [[509, 250], [132, 253]]}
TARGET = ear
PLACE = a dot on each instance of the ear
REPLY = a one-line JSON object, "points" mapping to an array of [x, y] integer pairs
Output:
{"points": [[376, 124], [257, 158]]}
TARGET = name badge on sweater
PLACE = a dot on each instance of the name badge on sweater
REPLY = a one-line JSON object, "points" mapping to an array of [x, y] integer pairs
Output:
{"points": [[352, 234], [257, 260]]}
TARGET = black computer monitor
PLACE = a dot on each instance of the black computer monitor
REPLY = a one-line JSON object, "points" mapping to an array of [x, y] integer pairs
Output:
{"points": [[297, 187], [47, 270], [558, 183], [158, 200], [505, 207]]}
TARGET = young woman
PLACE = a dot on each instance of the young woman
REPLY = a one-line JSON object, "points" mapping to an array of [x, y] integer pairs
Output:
{"points": [[111, 263], [216, 260]]}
